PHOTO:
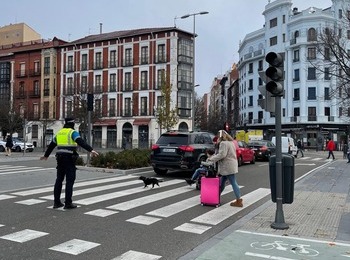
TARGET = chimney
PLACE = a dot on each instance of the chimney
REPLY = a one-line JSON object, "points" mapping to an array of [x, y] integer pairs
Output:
{"points": [[100, 28]]}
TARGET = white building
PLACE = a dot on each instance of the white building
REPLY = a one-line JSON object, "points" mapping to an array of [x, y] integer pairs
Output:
{"points": [[309, 111]]}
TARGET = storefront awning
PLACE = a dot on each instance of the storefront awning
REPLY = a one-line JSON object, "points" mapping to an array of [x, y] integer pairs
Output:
{"points": [[106, 122], [141, 121]]}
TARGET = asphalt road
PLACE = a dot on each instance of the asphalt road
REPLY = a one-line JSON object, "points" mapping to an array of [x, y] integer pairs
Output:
{"points": [[116, 216]]}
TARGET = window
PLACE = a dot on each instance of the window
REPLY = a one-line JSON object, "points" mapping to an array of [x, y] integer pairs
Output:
{"points": [[296, 111], [311, 73], [260, 65], [326, 94], [35, 111], [311, 35], [98, 107], [98, 60], [112, 82], [273, 41], [46, 112], [327, 75], [327, 111], [69, 110], [144, 79], [98, 86], [251, 84], [21, 89], [143, 106], [250, 104], [250, 70], [312, 114], [273, 22], [284, 18], [160, 78], [35, 131], [70, 67], [296, 55], [311, 53], [128, 57], [36, 88], [113, 59], [47, 65], [127, 107], [340, 13], [348, 34], [296, 94], [83, 84], [311, 93], [296, 75], [161, 53], [112, 107], [70, 90], [84, 59], [327, 54], [36, 67], [144, 55], [284, 37], [46, 87], [22, 69], [127, 83]]}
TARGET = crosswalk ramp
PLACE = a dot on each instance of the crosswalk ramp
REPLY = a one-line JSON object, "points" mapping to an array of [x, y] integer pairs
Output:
{"points": [[106, 197]]}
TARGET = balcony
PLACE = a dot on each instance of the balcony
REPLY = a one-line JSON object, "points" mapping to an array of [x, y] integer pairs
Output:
{"points": [[98, 65], [34, 93], [144, 60], [21, 73], [112, 88], [128, 87], [312, 118], [98, 89], [35, 72], [126, 113], [128, 63], [21, 94], [69, 68], [161, 59], [84, 66], [112, 63]]}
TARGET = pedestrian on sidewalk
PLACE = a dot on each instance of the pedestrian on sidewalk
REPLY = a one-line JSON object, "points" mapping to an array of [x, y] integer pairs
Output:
{"points": [[348, 152], [330, 148], [345, 150], [9, 144], [67, 141], [227, 165], [300, 147]]}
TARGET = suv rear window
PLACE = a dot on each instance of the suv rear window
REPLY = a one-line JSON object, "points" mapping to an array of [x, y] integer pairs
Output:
{"points": [[173, 139]]}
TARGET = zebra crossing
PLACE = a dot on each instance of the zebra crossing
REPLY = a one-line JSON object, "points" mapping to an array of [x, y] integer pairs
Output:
{"points": [[11, 169], [89, 193]]}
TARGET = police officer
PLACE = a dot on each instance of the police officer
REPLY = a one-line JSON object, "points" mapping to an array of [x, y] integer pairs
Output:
{"points": [[67, 141]]}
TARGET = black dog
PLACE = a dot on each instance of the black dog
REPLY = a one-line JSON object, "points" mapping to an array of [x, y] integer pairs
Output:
{"points": [[148, 181]]}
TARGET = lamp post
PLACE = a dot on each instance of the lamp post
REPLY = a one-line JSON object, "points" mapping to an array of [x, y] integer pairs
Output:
{"points": [[194, 59]]}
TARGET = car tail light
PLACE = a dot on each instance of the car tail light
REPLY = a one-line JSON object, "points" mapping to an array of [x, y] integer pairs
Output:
{"points": [[186, 148], [155, 147]]}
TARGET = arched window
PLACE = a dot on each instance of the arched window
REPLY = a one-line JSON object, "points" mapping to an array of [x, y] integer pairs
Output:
{"points": [[311, 35], [296, 34], [251, 49]]}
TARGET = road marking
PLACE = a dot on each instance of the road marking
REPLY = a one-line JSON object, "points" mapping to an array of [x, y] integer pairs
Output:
{"points": [[268, 256], [76, 185], [144, 220], [30, 202], [305, 164], [135, 255], [24, 235], [74, 246], [118, 194], [97, 189], [225, 211], [26, 170], [101, 213], [5, 197], [149, 199], [192, 228]]}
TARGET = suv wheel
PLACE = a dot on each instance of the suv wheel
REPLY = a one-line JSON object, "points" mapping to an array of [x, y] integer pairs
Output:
{"points": [[240, 161], [159, 171], [18, 149]]}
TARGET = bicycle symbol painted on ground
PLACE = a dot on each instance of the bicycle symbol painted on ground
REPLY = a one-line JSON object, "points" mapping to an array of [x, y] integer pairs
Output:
{"points": [[299, 249]]}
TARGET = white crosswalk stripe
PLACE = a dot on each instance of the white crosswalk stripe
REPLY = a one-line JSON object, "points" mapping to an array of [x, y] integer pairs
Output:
{"points": [[10, 169], [96, 191]]}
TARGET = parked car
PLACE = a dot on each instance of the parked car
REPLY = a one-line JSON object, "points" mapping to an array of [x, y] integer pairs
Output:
{"points": [[263, 149], [176, 150], [18, 145], [288, 145], [2, 146], [244, 153]]}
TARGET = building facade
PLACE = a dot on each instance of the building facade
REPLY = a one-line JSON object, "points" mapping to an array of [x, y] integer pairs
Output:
{"points": [[309, 111], [17, 33]]}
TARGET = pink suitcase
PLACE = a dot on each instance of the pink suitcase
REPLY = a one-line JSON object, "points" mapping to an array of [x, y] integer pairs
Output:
{"points": [[210, 191]]}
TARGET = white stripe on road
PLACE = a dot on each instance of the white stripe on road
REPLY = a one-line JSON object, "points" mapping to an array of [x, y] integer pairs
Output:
{"points": [[148, 199], [24, 235], [135, 255], [118, 194], [225, 211], [144, 220], [192, 228], [101, 213], [74, 246], [255, 255], [97, 189], [10, 167], [26, 170], [78, 184], [30, 202], [5, 197]]}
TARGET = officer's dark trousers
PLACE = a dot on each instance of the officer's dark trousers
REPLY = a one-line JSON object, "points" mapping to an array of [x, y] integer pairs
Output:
{"points": [[65, 168]]}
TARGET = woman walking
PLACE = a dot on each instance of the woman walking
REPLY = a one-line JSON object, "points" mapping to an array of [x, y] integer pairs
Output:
{"points": [[227, 165]]}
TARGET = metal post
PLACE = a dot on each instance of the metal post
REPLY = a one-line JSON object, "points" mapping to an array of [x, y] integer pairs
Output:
{"points": [[279, 217], [89, 137]]}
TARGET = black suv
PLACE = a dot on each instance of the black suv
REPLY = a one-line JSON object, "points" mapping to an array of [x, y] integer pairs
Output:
{"points": [[177, 150]]}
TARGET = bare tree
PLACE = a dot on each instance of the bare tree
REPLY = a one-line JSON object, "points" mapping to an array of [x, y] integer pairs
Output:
{"points": [[167, 116]]}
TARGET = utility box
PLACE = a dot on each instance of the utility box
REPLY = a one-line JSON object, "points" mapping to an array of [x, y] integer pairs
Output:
{"points": [[287, 178]]}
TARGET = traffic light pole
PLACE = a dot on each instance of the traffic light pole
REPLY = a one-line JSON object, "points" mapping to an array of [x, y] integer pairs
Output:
{"points": [[279, 217]]}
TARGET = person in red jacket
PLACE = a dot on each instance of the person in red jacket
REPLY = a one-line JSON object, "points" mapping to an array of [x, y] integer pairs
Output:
{"points": [[330, 148]]}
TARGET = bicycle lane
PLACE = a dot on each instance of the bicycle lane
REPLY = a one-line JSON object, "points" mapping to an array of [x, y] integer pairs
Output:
{"points": [[251, 245]]}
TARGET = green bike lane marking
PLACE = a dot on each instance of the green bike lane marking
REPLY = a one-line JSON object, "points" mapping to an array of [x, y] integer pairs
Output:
{"points": [[251, 245]]}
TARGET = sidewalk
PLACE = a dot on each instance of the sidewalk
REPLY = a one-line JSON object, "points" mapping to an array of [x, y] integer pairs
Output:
{"points": [[320, 212]]}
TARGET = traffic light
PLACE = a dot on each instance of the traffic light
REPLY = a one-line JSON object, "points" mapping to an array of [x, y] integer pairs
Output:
{"points": [[275, 73]]}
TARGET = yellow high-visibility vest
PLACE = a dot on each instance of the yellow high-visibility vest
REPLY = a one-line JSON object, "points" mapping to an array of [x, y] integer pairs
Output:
{"points": [[64, 138]]}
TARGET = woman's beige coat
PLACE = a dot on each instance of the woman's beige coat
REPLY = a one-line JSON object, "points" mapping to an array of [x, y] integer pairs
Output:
{"points": [[226, 158]]}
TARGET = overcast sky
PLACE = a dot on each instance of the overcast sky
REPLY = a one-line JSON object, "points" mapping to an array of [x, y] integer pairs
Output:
{"points": [[219, 32]]}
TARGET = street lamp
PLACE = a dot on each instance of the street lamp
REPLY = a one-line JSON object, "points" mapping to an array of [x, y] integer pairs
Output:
{"points": [[194, 59]]}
